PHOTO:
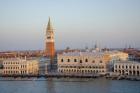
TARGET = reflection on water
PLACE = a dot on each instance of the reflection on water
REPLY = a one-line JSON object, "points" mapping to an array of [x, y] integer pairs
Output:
{"points": [[50, 86], [68, 85]]}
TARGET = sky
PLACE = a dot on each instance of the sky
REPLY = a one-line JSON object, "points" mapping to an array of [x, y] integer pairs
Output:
{"points": [[77, 23]]}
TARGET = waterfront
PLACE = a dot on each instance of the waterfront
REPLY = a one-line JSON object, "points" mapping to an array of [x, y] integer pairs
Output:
{"points": [[68, 85]]}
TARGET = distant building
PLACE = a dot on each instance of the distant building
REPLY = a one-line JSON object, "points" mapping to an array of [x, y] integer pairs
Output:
{"points": [[115, 56], [21, 54], [6, 55], [134, 54], [87, 62], [127, 68], [44, 66], [17, 66]]}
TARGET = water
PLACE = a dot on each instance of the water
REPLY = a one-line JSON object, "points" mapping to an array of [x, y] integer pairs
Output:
{"points": [[70, 86]]}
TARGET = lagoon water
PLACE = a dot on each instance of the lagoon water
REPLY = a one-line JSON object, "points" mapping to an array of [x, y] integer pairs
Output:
{"points": [[99, 85]]}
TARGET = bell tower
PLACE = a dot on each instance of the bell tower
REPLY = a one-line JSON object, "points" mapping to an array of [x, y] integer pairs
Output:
{"points": [[49, 42]]}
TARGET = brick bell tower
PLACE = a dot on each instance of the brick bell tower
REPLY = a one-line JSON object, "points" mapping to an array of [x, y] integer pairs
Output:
{"points": [[49, 42]]}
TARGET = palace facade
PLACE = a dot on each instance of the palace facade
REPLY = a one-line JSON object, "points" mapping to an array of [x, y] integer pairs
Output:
{"points": [[127, 68], [87, 62], [17, 66]]}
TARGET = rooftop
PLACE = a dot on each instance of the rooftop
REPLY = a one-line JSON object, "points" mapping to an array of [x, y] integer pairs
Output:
{"points": [[96, 54], [128, 62]]}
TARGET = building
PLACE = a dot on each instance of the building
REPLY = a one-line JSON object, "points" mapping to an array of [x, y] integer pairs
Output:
{"points": [[17, 66], [134, 54], [50, 47], [87, 62], [127, 68], [113, 57], [1, 67], [44, 66], [82, 63], [116, 56], [6, 55], [27, 53]]}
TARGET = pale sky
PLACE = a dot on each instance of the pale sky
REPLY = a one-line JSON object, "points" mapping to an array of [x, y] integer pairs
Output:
{"points": [[77, 23]]}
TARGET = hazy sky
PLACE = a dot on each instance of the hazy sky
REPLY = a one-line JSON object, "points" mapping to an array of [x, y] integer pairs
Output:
{"points": [[77, 23]]}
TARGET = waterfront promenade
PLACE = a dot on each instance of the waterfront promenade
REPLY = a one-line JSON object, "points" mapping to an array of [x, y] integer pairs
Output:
{"points": [[59, 75]]}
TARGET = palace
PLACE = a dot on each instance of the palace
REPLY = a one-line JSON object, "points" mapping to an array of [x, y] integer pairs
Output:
{"points": [[127, 68], [88, 62]]}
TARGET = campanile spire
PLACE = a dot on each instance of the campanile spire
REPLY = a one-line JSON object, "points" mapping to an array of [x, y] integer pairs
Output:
{"points": [[49, 26], [49, 42]]}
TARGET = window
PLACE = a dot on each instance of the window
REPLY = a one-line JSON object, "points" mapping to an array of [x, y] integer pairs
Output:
{"points": [[75, 60], [62, 60], [101, 61], [86, 60], [93, 61], [68, 60], [119, 66], [80, 61]]}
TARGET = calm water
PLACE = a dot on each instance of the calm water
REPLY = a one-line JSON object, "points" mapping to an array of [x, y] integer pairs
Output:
{"points": [[70, 86]]}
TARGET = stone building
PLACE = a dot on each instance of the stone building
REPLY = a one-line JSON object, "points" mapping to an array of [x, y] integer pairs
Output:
{"points": [[127, 68], [87, 62], [17, 66], [113, 57]]}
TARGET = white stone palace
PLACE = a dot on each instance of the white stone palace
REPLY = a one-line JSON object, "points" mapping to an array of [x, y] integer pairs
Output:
{"points": [[87, 62], [127, 68]]}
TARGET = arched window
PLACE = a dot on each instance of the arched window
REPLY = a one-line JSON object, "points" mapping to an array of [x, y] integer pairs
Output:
{"points": [[126, 67], [134, 72], [130, 67], [138, 73], [101, 61], [80, 61], [62, 60], [86, 60], [130, 72], [119, 66], [75, 60], [93, 61], [68, 60], [123, 72]]}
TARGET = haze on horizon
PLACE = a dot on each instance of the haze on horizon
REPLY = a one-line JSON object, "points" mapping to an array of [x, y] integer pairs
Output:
{"points": [[77, 23]]}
